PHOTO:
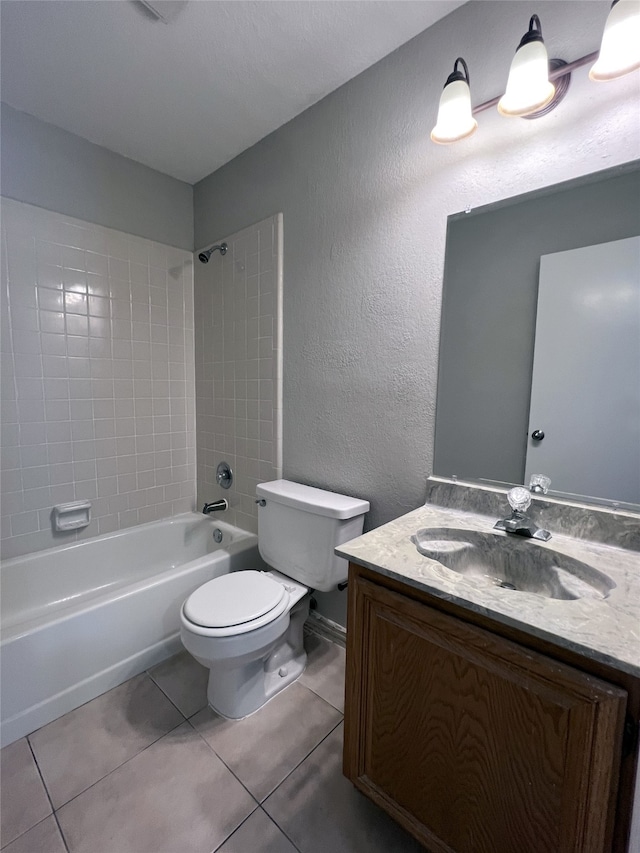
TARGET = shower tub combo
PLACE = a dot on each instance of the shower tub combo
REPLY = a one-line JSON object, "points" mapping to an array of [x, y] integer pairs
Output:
{"points": [[80, 619]]}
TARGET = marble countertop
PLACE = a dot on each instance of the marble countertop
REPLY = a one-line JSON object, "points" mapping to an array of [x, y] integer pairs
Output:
{"points": [[604, 629]]}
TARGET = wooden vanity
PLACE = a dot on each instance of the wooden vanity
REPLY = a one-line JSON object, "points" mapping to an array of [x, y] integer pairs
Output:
{"points": [[480, 739], [470, 722]]}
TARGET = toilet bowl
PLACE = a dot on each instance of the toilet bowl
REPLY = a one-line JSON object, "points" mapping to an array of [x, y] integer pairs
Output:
{"points": [[247, 627], [253, 642]]}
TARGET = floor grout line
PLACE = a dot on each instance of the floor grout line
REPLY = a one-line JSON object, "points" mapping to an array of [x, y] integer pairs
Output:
{"points": [[283, 831], [222, 843], [62, 835], [41, 775], [304, 758], [220, 758], [259, 804], [113, 770], [322, 740], [160, 688]]}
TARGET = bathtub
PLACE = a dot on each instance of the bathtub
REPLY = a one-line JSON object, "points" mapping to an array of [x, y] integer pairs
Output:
{"points": [[82, 618]]}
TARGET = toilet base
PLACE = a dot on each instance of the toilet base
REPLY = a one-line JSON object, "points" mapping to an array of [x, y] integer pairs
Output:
{"points": [[272, 684], [237, 691]]}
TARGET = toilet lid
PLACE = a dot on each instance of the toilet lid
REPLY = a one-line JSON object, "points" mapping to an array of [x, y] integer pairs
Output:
{"points": [[233, 599]]}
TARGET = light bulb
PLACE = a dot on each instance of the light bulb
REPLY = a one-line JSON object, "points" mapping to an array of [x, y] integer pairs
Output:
{"points": [[620, 49], [455, 120], [528, 87]]}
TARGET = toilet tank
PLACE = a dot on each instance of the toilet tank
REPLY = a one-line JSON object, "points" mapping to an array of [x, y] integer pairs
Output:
{"points": [[299, 527]]}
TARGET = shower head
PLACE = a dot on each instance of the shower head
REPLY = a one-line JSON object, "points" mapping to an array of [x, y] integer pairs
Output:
{"points": [[204, 256]]}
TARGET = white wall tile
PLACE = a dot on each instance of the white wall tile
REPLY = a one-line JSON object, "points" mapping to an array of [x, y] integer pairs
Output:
{"points": [[78, 299], [238, 359]]}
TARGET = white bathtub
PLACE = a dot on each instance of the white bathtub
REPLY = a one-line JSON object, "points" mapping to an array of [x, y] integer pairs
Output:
{"points": [[79, 619]]}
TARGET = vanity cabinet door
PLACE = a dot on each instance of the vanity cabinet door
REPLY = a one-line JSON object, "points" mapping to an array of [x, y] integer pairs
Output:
{"points": [[474, 743]]}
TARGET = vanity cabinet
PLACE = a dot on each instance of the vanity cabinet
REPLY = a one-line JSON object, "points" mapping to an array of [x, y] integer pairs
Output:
{"points": [[473, 742]]}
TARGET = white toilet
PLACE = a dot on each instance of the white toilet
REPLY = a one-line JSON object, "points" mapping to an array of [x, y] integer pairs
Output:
{"points": [[247, 626]]}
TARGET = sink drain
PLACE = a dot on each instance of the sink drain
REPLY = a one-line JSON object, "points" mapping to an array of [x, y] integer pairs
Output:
{"points": [[506, 585]]}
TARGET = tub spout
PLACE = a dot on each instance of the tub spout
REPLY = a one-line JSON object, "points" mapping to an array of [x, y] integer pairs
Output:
{"points": [[216, 506]]}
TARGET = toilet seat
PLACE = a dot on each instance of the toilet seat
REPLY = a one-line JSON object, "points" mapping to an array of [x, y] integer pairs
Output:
{"points": [[235, 603]]}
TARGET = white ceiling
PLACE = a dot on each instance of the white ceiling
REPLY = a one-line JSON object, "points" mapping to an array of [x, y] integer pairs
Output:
{"points": [[188, 96]]}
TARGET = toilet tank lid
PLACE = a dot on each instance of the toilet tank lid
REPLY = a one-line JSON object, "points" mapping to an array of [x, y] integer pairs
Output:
{"points": [[311, 499]]}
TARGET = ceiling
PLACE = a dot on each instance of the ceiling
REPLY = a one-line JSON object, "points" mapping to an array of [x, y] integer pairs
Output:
{"points": [[187, 96]]}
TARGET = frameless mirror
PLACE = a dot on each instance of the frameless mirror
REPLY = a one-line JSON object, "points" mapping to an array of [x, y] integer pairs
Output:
{"points": [[488, 335]]}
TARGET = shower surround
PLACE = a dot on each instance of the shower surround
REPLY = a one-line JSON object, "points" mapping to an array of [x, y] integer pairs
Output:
{"points": [[238, 352], [98, 391]]}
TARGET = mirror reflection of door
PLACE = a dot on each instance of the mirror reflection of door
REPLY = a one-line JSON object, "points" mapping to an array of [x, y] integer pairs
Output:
{"points": [[585, 394]]}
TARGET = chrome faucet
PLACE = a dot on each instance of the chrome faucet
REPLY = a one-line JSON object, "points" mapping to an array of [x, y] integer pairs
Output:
{"points": [[216, 506], [518, 523]]}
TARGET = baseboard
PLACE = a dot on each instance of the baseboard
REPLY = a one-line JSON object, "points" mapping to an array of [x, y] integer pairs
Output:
{"points": [[320, 626]]}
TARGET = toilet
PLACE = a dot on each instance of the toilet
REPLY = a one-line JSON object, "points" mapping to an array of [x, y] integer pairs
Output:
{"points": [[246, 627]]}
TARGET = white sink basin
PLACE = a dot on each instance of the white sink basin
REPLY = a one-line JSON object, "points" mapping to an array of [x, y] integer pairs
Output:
{"points": [[512, 562]]}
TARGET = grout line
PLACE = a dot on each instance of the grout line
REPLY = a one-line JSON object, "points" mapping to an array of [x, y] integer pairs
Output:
{"points": [[166, 695], [44, 784], [315, 693], [224, 841], [113, 770], [331, 730], [304, 758], [22, 834], [126, 761], [62, 835], [282, 830], [259, 804], [46, 790], [285, 779], [220, 758]]}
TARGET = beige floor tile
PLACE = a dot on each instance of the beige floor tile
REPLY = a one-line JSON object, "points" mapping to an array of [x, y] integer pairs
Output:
{"points": [[174, 797], [258, 834], [84, 745], [321, 811], [43, 838], [325, 670], [264, 748], [184, 681], [24, 799]]}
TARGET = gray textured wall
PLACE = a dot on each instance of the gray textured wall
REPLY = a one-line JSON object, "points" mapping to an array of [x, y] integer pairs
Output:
{"points": [[365, 197], [489, 315], [57, 170]]}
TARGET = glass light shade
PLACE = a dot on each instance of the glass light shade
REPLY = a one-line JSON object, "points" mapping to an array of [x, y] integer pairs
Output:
{"points": [[455, 120], [528, 86], [620, 49]]}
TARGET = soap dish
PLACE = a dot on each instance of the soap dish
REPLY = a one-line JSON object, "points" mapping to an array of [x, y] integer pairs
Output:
{"points": [[71, 516]]}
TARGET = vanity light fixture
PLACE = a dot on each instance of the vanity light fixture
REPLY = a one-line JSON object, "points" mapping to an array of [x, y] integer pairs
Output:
{"points": [[536, 85], [619, 53], [528, 87], [455, 120]]}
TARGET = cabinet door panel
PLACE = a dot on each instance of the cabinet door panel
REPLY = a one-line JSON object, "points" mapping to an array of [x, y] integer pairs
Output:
{"points": [[491, 748]]}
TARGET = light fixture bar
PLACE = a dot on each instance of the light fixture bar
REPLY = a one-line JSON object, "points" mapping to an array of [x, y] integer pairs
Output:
{"points": [[559, 72]]}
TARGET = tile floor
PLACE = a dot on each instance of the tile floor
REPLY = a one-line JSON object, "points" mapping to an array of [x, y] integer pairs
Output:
{"points": [[148, 768]]}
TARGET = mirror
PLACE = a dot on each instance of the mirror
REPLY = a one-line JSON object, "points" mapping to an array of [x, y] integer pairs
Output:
{"points": [[488, 325]]}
